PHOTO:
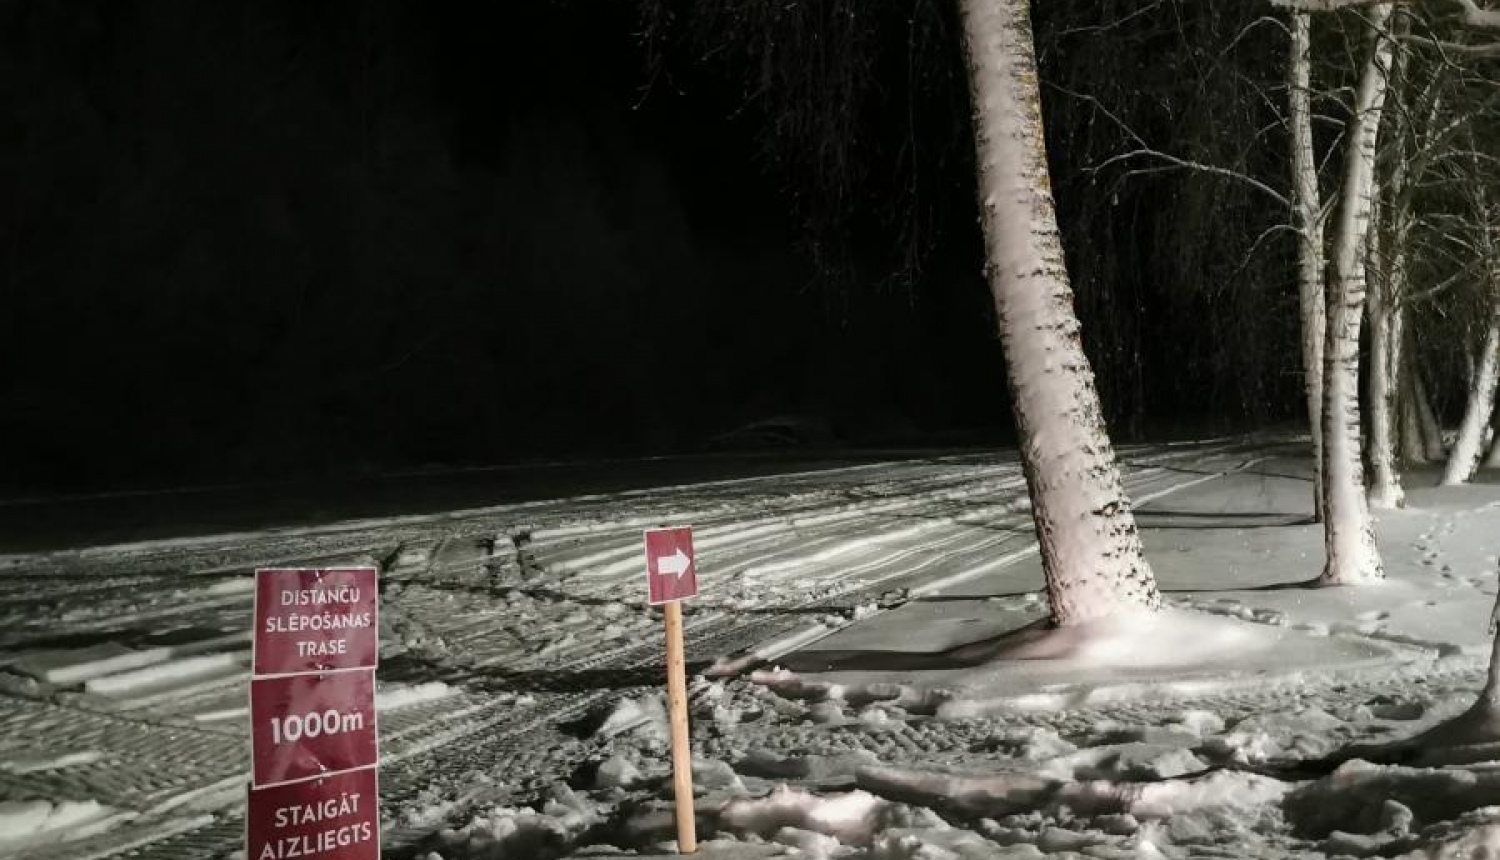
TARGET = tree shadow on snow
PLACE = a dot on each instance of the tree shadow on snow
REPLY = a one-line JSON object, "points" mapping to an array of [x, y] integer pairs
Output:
{"points": [[1038, 640], [490, 679], [1150, 517]]}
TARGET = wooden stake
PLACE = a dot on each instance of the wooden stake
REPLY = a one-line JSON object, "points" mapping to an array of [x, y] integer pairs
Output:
{"points": [[682, 759]]}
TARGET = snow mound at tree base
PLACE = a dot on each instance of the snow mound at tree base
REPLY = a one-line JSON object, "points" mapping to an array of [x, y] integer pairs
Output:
{"points": [[1143, 655]]}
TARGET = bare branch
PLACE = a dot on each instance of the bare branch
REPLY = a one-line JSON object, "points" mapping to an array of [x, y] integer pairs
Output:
{"points": [[1486, 50], [1471, 14], [1193, 165]]}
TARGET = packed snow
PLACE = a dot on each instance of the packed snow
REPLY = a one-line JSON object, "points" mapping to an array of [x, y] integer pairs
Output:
{"points": [[870, 678]]}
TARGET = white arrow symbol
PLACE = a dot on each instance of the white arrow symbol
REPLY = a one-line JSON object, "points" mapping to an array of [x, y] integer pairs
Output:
{"points": [[673, 565]]}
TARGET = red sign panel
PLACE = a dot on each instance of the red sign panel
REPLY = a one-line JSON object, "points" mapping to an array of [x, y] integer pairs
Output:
{"points": [[310, 725], [333, 818], [314, 620], [669, 565]]}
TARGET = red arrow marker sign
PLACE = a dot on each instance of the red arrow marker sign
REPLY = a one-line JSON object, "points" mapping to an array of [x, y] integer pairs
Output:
{"points": [[311, 725], [670, 579], [334, 818], [314, 620], [669, 565]]}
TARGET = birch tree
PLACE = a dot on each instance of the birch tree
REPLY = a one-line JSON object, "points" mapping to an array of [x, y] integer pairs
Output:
{"points": [[1091, 551], [1307, 210], [1427, 418], [1389, 235], [1412, 448], [1397, 393], [1422, 155], [809, 67], [1386, 323], [1352, 556], [1468, 448], [1475, 231]]}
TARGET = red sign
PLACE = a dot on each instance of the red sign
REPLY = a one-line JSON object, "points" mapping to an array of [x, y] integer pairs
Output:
{"points": [[333, 818], [311, 725], [314, 620], [669, 565]]}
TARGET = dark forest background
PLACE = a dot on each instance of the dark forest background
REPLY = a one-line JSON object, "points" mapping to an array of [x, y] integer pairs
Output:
{"points": [[254, 239]]}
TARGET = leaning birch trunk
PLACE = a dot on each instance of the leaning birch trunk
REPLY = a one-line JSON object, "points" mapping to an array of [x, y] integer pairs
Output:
{"points": [[1432, 428], [1307, 205], [1091, 552], [1463, 462], [1348, 530]]}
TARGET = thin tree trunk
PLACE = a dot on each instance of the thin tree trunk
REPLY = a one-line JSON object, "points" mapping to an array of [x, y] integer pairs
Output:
{"points": [[1432, 428], [1493, 460], [1387, 263], [1412, 451], [1489, 697], [1349, 531], [1463, 462], [1091, 552], [1307, 205], [1385, 355]]}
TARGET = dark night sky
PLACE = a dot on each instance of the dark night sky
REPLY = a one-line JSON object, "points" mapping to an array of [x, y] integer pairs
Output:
{"points": [[271, 239]]}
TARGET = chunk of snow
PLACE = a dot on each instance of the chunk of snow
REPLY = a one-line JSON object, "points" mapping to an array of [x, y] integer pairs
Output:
{"points": [[1129, 762], [851, 818], [646, 715], [1307, 733], [1032, 743], [1200, 722], [616, 772], [808, 844], [402, 696], [1219, 790], [712, 774]]}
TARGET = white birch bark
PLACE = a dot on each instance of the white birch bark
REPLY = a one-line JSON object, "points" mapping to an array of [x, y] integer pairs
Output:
{"points": [[1349, 532], [1387, 262], [1307, 205], [1463, 462], [1386, 322], [1091, 552], [1432, 428]]}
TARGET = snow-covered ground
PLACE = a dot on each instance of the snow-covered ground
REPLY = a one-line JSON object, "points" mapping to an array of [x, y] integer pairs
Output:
{"points": [[855, 693]]}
